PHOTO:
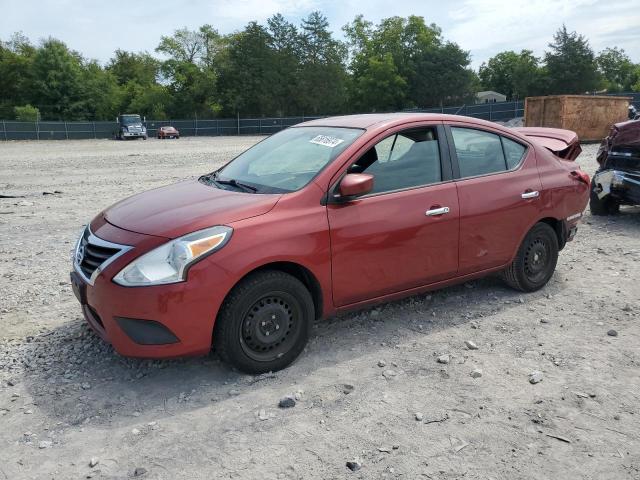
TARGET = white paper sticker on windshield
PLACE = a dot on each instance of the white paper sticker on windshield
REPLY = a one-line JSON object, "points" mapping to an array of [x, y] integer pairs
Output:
{"points": [[326, 141]]}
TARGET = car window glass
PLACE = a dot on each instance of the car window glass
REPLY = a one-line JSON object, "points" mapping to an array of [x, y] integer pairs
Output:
{"points": [[513, 151], [383, 148], [479, 152], [288, 160], [407, 159], [401, 146]]}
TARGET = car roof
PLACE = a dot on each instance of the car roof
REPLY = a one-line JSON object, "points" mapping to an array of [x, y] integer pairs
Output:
{"points": [[377, 120]]}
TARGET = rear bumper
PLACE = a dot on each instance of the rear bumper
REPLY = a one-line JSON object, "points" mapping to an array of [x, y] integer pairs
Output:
{"points": [[619, 184]]}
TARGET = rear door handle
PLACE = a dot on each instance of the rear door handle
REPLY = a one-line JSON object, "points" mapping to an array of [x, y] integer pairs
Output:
{"points": [[527, 195], [434, 212]]}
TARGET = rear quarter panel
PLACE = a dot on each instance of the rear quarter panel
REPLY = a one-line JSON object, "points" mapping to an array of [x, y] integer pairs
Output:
{"points": [[563, 195]]}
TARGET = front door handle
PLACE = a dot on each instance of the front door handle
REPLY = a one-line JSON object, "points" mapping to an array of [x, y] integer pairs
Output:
{"points": [[434, 212], [527, 195]]}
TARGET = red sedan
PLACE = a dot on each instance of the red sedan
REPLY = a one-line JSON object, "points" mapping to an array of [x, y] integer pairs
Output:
{"points": [[168, 132], [327, 216]]}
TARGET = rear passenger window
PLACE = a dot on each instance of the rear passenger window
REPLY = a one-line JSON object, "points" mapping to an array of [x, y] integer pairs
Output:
{"points": [[513, 151], [479, 153]]}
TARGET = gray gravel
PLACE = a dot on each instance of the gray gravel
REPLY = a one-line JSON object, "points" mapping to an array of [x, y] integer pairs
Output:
{"points": [[67, 400]]}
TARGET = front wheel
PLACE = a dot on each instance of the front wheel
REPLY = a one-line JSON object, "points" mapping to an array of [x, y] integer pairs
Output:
{"points": [[263, 324], [535, 261]]}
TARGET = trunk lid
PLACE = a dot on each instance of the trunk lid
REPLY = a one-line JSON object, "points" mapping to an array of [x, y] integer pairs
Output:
{"points": [[564, 144]]}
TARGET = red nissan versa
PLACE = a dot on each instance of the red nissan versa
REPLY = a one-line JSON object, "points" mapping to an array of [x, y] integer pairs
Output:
{"points": [[326, 216]]}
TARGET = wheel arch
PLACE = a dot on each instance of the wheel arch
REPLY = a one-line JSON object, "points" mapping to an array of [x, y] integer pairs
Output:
{"points": [[556, 224], [298, 271], [558, 227]]}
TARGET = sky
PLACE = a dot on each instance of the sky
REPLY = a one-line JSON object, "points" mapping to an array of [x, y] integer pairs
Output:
{"points": [[483, 27]]}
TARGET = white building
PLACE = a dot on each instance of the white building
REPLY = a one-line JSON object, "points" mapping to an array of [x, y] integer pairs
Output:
{"points": [[490, 97]]}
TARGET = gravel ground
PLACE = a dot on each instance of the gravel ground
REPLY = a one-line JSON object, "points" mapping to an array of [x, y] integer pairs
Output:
{"points": [[394, 390]]}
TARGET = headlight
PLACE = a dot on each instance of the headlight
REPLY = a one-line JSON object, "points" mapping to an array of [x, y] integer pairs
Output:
{"points": [[170, 262]]}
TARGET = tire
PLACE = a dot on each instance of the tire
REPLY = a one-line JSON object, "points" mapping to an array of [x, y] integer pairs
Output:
{"points": [[601, 206], [535, 261], [263, 324]]}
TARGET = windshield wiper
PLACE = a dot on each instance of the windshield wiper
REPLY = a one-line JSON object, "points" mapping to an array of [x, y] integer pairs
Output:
{"points": [[233, 182]]}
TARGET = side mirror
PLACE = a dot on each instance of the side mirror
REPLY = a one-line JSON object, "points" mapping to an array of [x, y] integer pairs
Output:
{"points": [[354, 185]]}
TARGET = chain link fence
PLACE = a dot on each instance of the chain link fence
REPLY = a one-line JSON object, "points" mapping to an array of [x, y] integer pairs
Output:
{"points": [[11, 130]]}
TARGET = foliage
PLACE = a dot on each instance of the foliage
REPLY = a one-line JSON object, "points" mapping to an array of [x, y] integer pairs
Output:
{"points": [[419, 66], [279, 68], [570, 65], [618, 71], [516, 75], [27, 113]]}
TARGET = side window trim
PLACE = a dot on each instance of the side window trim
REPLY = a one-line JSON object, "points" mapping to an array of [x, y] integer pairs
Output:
{"points": [[446, 161], [454, 155], [504, 154]]}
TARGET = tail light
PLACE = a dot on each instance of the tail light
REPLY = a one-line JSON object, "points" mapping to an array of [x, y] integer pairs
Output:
{"points": [[581, 176]]}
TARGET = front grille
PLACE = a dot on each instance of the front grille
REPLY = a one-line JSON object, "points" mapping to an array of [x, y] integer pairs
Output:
{"points": [[93, 253]]}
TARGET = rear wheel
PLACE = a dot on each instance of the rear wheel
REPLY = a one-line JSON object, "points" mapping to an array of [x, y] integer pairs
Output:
{"points": [[601, 206], [263, 324], [535, 261]]}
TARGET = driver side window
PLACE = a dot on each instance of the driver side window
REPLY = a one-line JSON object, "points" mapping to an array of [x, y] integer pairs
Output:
{"points": [[407, 159]]}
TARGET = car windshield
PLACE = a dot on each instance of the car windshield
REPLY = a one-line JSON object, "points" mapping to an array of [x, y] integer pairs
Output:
{"points": [[288, 160], [130, 120]]}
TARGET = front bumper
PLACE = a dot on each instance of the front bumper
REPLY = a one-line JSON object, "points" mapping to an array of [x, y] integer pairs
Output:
{"points": [[155, 321], [619, 184], [134, 134]]}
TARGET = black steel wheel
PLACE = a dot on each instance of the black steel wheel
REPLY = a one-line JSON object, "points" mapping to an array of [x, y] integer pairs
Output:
{"points": [[535, 261], [263, 324], [270, 327]]}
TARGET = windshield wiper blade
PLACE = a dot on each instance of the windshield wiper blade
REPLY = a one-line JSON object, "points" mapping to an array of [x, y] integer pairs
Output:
{"points": [[233, 182]]}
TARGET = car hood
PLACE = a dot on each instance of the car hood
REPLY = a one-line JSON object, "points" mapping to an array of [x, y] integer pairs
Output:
{"points": [[185, 207]]}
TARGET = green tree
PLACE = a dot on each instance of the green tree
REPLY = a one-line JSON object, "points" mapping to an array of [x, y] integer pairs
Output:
{"points": [[379, 87], [153, 101], [27, 113], [126, 67], [570, 65], [433, 71], [15, 75], [322, 71], [184, 45], [102, 95], [57, 81], [247, 76], [517, 75], [617, 70], [285, 46]]}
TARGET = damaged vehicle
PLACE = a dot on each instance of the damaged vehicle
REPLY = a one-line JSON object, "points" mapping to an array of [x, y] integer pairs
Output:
{"points": [[325, 217], [617, 181]]}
